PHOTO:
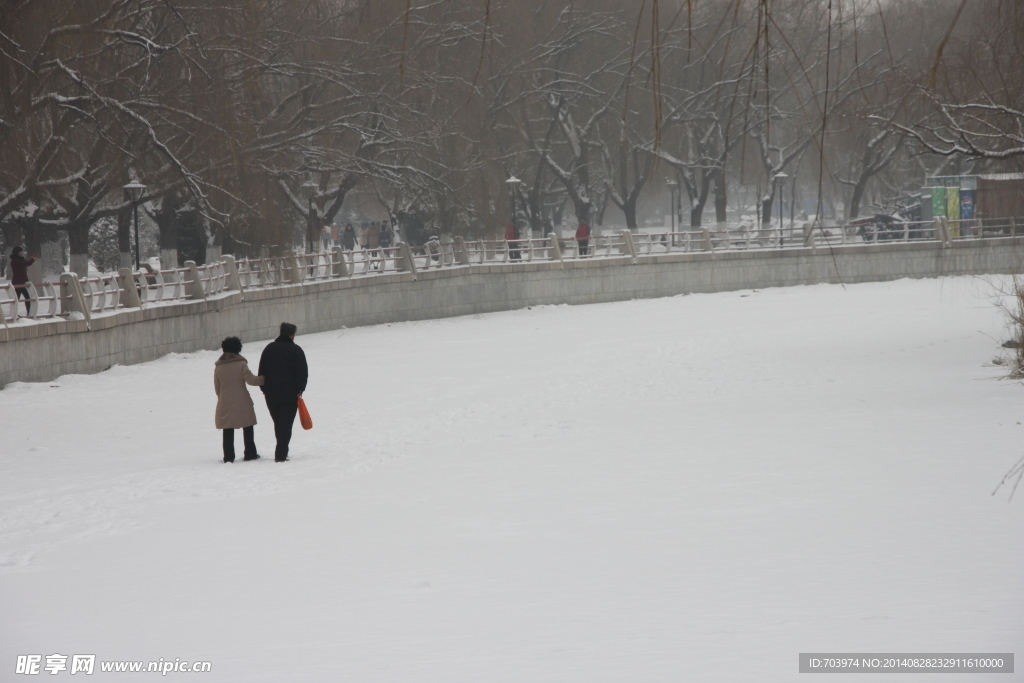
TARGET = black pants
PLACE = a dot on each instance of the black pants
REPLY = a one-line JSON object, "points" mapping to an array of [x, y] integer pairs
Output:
{"points": [[282, 409], [229, 443], [23, 292], [584, 247]]}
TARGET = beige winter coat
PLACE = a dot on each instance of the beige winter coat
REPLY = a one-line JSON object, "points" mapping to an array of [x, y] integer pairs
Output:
{"points": [[234, 406], [371, 240]]}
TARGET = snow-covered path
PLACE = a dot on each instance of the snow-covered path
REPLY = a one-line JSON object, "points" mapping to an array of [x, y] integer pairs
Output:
{"points": [[693, 488]]}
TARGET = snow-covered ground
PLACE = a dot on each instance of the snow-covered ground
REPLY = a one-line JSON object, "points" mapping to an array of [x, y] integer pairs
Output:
{"points": [[695, 488]]}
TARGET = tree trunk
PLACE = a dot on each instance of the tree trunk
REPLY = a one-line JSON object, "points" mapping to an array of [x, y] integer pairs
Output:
{"points": [[12, 236], [720, 196], [582, 208], [51, 255], [533, 213], [766, 209], [166, 218], [44, 243], [697, 208], [858, 196], [629, 208], [557, 212], [78, 236]]}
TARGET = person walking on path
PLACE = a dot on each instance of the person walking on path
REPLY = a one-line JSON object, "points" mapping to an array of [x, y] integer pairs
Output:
{"points": [[511, 235], [583, 238], [372, 243], [348, 238], [234, 405], [19, 276], [284, 370], [386, 237]]}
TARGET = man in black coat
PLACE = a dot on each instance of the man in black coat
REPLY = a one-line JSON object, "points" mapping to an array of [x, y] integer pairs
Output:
{"points": [[283, 366]]}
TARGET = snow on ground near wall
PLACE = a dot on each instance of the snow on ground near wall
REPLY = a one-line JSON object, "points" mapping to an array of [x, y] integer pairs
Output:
{"points": [[690, 488]]}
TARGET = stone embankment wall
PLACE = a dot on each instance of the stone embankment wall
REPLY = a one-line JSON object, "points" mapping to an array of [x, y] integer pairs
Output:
{"points": [[40, 352]]}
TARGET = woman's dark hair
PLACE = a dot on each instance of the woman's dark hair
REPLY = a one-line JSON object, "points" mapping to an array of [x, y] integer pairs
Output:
{"points": [[231, 345], [16, 251], [288, 330]]}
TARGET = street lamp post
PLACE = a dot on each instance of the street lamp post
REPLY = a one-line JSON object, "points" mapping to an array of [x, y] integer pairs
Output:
{"points": [[673, 187], [309, 189], [134, 191], [513, 182], [780, 178]]}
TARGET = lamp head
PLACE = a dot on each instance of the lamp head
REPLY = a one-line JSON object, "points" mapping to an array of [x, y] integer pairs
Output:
{"points": [[309, 189], [134, 191]]}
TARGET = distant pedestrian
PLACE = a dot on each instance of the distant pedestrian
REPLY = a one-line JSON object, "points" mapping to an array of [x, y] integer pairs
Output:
{"points": [[348, 238], [234, 405], [284, 370], [386, 237], [583, 238], [511, 235], [372, 243], [19, 276]]}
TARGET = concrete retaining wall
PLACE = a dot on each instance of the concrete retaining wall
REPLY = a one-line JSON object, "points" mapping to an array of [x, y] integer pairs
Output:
{"points": [[41, 352]]}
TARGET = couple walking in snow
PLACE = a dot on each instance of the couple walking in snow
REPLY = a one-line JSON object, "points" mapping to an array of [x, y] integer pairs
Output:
{"points": [[282, 378]]}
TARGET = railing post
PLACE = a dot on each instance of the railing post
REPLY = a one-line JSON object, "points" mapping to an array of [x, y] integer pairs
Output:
{"points": [[76, 301], [14, 318], [338, 266], [33, 298], [809, 240], [461, 255], [627, 243], [194, 289], [291, 262], [1013, 226], [129, 290], [556, 247], [231, 267], [406, 262], [708, 246]]}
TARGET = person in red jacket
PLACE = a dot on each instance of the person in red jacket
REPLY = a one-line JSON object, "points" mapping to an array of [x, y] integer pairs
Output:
{"points": [[583, 237], [19, 276], [511, 235]]}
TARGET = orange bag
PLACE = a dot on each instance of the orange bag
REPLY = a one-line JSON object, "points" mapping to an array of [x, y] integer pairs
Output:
{"points": [[304, 419]]}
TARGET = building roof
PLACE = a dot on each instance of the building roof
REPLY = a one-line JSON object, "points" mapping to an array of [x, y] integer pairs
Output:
{"points": [[1002, 176]]}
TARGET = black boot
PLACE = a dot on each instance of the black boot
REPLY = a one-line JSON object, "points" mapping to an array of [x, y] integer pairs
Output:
{"points": [[229, 445]]}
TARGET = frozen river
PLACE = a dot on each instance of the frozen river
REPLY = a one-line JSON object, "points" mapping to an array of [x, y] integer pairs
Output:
{"points": [[691, 488]]}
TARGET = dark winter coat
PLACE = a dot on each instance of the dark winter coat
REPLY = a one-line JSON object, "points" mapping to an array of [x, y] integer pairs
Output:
{"points": [[348, 238], [283, 367], [234, 405], [19, 269], [385, 238]]}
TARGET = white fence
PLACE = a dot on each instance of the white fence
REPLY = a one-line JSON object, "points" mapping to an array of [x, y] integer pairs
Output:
{"points": [[101, 294], [98, 295]]}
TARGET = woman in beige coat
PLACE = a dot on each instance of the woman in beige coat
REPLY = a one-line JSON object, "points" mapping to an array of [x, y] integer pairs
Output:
{"points": [[234, 406]]}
